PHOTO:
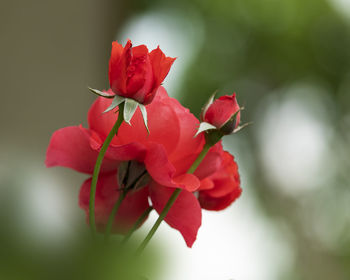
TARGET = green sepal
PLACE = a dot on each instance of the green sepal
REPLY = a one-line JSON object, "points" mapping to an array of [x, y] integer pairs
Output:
{"points": [[212, 137], [122, 173], [116, 101], [230, 124], [129, 109], [206, 105], [142, 182], [135, 172], [100, 93], [204, 126], [241, 127], [144, 115]]}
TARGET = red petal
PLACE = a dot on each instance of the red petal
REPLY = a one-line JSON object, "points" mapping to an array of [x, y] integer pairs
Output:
{"points": [[164, 124], [226, 187], [161, 66], [223, 186], [185, 215], [189, 181], [163, 172], [107, 194], [226, 179], [139, 51], [139, 74], [70, 147], [218, 203], [100, 122], [158, 165], [211, 163], [131, 151], [221, 110], [206, 184], [186, 145], [164, 129], [118, 63], [117, 51]]}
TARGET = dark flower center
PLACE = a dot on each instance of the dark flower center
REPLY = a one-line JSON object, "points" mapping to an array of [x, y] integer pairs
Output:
{"points": [[132, 175]]}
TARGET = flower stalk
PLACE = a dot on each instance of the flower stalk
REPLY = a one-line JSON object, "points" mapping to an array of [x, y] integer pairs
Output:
{"points": [[113, 214], [137, 224], [172, 200], [112, 133]]}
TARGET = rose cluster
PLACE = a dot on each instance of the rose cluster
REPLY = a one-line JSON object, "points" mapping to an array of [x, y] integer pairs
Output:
{"points": [[150, 166]]}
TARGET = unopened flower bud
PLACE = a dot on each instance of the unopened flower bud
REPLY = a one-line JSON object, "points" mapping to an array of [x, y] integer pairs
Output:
{"points": [[223, 113]]}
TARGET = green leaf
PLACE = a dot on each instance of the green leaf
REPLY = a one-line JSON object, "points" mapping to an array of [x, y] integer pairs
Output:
{"points": [[129, 109], [100, 93], [144, 115], [116, 101], [204, 126]]}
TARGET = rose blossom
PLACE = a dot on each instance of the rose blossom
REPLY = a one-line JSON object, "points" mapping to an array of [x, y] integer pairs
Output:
{"points": [[135, 73], [222, 188], [165, 154], [221, 113]]}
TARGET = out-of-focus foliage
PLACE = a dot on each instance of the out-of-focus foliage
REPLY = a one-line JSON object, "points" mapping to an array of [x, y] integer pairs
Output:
{"points": [[270, 52], [288, 61], [23, 256], [269, 43]]}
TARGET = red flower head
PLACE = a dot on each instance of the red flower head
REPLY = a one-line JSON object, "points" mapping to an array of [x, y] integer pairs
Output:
{"points": [[164, 155], [222, 188], [223, 113], [135, 73]]}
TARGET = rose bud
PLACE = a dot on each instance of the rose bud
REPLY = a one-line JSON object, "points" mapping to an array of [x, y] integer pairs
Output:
{"points": [[135, 73], [220, 117], [223, 113]]}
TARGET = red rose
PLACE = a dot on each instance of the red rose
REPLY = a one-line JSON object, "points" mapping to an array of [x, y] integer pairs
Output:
{"points": [[165, 154], [135, 73], [222, 112], [162, 152], [222, 188]]}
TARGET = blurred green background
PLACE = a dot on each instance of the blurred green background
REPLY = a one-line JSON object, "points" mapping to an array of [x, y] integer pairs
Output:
{"points": [[289, 63]]}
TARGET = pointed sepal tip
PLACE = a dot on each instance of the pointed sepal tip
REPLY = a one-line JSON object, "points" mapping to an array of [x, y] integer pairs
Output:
{"points": [[204, 126], [100, 93]]}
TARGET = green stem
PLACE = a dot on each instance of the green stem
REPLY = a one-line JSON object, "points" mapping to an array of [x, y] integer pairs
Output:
{"points": [[172, 200], [113, 213], [97, 168], [137, 224], [199, 159]]}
